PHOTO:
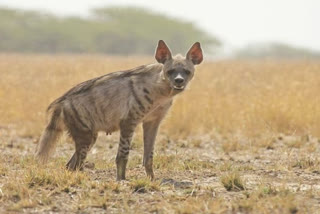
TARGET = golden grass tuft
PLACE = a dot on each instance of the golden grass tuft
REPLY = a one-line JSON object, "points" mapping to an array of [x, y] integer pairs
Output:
{"points": [[307, 163], [269, 199], [232, 181], [60, 178], [144, 185]]}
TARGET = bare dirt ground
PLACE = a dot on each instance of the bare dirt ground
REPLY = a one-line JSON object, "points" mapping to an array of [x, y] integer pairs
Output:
{"points": [[191, 177]]}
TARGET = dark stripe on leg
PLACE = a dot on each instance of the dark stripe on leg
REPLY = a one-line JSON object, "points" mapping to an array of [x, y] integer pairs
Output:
{"points": [[124, 142], [124, 151]]}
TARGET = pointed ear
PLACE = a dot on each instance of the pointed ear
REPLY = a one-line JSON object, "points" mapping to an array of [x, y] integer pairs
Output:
{"points": [[195, 54], [163, 53]]}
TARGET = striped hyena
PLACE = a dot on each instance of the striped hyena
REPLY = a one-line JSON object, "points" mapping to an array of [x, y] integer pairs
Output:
{"points": [[120, 101]]}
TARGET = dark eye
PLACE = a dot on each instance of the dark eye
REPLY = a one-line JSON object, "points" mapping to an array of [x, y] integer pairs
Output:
{"points": [[187, 72], [170, 72]]}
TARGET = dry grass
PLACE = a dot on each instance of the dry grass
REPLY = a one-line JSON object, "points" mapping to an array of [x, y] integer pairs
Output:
{"points": [[233, 182], [243, 98], [242, 139]]}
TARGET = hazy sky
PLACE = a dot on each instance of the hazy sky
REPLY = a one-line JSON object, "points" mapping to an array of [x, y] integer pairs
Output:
{"points": [[235, 22]]}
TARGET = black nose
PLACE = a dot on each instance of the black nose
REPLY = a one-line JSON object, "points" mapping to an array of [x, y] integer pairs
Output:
{"points": [[178, 80]]}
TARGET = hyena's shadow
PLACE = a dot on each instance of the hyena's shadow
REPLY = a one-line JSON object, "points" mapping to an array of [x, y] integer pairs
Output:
{"points": [[104, 174], [176, 184]]}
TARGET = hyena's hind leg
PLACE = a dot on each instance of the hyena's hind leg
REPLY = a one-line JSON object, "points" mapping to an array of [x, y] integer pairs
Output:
{"points": [[84, 140]]}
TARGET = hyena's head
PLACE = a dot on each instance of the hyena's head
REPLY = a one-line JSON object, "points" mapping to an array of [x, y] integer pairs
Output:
{"points": [[178, 70]]}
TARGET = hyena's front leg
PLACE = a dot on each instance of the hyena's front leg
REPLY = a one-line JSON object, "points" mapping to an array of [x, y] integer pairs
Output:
{"points": [[127, 128], [150, 129], [83, 141]]}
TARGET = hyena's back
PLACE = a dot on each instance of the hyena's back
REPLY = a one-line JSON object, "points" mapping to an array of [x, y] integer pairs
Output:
{"points": [[99, 108], [95, 105]]}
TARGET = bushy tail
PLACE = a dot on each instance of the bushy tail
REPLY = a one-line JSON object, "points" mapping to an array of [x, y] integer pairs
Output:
{"points": [[50, 135]]}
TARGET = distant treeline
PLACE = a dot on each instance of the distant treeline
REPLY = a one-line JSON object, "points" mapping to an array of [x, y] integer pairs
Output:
{"points": [[275, 50], [120, 31]]}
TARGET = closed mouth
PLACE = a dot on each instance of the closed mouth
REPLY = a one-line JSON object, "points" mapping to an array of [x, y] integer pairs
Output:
{"points": [[178, 87]]}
